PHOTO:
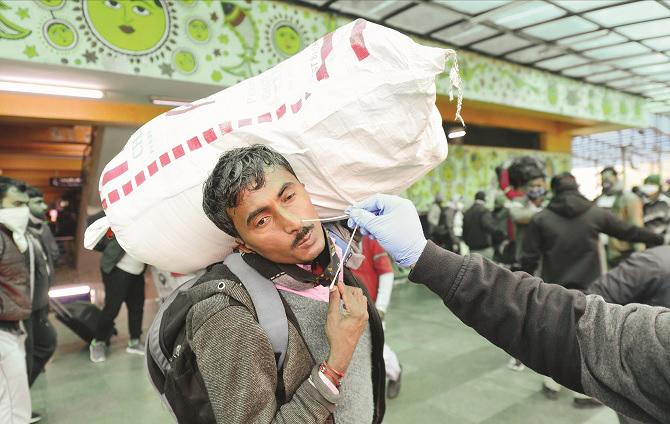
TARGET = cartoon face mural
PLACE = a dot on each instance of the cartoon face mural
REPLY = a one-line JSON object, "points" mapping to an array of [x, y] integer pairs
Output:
{"points": [[60, 34], [51, 4], [134, 27], [185, 61], [286, 40], [198, 30]]}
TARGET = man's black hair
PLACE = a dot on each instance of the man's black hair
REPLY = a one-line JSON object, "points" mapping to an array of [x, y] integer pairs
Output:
{"points": [[564, 181], [236, 171], [34, 192], [609, 169], [480, 195], [6, 183]]}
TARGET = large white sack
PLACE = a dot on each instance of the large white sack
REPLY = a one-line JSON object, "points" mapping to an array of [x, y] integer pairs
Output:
{"points": [[354, 113]]}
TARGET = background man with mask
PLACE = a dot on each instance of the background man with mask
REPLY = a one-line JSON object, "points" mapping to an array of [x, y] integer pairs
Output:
{"points": [[624, 204], [15, 301], [41, 336], [656, 206]]}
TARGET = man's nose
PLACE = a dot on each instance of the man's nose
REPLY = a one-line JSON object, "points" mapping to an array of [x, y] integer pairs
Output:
{"points": [[291, 222]]}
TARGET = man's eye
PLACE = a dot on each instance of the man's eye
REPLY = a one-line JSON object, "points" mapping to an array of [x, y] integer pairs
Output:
{"points": [[289, 197], [263, 221], [141, 11]]}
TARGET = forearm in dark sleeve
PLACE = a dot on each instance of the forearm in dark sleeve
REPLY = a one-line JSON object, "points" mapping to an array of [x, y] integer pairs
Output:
{"points": [[622, 230], [532, 321]]}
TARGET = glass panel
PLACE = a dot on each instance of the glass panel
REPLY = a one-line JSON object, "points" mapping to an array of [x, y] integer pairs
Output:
{"points": [[561, 62], [645, 87], [595, 39], [628, 13], [661, 77], [608, 76], [582, 5], [372, 9], [535, 53], [646, 29], [652, 69], [464, 34], [473, 7], [622, 84], [620, 50], [584, 70], [527, 13], [501, 44], [646, 59], [424, 18], [561, 28], [661, 43]]}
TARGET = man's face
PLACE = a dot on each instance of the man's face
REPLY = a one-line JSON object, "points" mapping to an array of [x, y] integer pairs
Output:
{"points": [[38, 207], [269, 220], [14, 199], [537, 183], [608, 181]]}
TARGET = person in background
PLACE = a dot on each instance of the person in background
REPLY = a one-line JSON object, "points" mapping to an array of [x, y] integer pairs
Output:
{"points": [[522, 209], [656, 207], [15, 301], [433, 217], [41, 336], [564, 239], [123, 278], [501, 221], [479, 230], [624, 204], [376, 273]]}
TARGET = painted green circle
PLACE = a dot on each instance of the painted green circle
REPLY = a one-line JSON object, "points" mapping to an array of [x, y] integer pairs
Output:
{"points": [[198, 30], [60, 35], [217, 76], [129, 26], [184, 61], [287, 40], [52, 4]]}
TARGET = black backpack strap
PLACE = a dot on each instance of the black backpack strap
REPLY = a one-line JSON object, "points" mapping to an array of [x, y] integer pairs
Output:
{"points": [[267, 302]]}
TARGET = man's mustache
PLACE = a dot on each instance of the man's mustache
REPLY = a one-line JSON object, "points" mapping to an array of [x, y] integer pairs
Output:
{"points": [[301, 235]]}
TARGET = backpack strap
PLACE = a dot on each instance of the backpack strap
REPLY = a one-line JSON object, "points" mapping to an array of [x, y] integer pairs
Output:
{"points": [[267, 302]]}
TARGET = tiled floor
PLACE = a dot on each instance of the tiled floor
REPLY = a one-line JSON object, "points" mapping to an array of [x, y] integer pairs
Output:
{"points": [[451, 375]]}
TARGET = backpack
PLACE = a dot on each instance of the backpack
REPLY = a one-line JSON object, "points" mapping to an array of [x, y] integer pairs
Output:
{"points": [[170, 361]]}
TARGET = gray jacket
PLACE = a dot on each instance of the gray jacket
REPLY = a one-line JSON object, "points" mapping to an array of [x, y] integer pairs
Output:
{"points": [[622, 352]]}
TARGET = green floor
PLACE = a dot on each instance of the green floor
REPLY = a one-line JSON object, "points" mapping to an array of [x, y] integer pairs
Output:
{"points": [[451, 375]]}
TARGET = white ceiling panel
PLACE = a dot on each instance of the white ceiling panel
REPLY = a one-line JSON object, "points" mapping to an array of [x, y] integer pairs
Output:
{"points": [[661, 43], [621, 84], [652, 69], [583, 5], [561, 62], [463, 34], [584, 70], [561, 28], [527, 13], [647, 59], [424, 18], [629, 13], [661, 77], [608, 76], [501, 44], [646, 29], [646, 87], [535, 53], [473, 7], [620, 50], [601, 38], [371, 9], [317, 2]]}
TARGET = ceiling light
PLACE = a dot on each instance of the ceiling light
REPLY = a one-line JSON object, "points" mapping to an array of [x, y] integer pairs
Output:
{"points": [[456, 133], [168, 102], [56, 90]]}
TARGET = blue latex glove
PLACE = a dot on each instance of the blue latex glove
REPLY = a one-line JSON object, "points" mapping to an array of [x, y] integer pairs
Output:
{"points": [[394, 222]]}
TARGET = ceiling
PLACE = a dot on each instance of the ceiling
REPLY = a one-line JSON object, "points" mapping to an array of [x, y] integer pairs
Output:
{"points": [[630, 147], [624, 45]]}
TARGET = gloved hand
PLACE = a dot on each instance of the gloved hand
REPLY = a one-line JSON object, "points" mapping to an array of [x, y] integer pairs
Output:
{"points": [[394, 222]]}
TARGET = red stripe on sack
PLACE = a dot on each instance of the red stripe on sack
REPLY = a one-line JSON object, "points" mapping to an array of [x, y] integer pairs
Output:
{"points": [[326, 48], [178, 151], [209, 135], [104, 203], [114, 172], [127, 188], [113, 196], [194, 144], [297, 106], [281, 110], [165, 159], [139, 178], [226, 128], [153, 168], [244, 122], [358, 42], [266, 117]]}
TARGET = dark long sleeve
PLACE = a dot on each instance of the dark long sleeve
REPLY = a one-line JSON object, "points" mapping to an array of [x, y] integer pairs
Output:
{"points": [[531, 252], [618, 354], [622, 230]]}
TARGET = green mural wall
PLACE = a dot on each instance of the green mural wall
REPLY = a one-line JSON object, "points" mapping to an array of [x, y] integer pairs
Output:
{"points": [[469, 169], [223, 42]]}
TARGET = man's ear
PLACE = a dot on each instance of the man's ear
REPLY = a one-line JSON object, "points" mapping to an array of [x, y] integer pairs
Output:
{"points": [[243, 247]]}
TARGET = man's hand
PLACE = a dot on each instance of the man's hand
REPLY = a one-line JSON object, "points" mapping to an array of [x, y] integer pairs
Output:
{"points": [[344, 329], [394, 222]]}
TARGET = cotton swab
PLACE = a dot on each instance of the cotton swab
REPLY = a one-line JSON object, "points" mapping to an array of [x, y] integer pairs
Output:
{"points": [[333, 219], [344, 257]]}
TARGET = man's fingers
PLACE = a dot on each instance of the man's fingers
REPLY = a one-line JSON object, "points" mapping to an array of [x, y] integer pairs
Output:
{"points": [[334, 302], [374, 203]]}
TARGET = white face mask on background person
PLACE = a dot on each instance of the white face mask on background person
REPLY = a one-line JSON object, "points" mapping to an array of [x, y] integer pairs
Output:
{"points": [[16, 220], [649, 189]]}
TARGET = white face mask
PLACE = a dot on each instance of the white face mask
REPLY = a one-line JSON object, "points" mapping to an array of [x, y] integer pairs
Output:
{"points": [[16, 220], [649, 189]]}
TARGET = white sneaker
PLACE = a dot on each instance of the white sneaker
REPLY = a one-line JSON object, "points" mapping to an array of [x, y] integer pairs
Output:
{"points": [[515, 365], [97, 351], [135, 347]]}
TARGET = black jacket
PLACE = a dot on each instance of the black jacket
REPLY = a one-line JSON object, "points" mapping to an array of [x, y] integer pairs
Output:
{"points": [[565, 237], [617, 354], [478, 227], [642, 278]]}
